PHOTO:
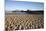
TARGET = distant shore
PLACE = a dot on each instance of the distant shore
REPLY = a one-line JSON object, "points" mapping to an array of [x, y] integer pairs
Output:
{"points": [[24, 12]]}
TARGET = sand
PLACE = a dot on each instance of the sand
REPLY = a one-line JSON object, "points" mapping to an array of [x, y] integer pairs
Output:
{"points": [[24, 21]]}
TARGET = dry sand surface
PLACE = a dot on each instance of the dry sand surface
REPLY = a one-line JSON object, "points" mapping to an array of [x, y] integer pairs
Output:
{"points": [[23, 22]]}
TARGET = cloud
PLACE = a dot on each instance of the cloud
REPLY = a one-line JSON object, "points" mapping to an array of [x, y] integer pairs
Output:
{"points": [[31, 0]]}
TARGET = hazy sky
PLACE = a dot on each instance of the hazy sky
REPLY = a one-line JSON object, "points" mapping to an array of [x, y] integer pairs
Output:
{"points": [[21, 5]]}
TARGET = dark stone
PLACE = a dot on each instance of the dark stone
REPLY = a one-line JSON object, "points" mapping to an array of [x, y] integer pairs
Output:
{"points": [[22, 27], [6, 29]]}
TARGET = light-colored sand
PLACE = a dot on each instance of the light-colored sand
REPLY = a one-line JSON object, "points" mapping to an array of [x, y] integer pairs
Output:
{"points": [[24, 21]]}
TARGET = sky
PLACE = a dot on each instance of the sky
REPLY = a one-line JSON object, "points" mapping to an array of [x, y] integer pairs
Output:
{"points": [[11, 5]]}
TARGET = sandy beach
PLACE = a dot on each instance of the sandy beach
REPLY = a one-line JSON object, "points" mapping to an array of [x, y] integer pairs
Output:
{"points": [[24, 21]]}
